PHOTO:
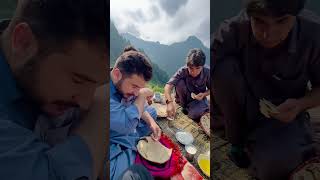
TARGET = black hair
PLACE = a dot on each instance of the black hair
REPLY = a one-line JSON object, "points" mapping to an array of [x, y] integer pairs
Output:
{"points": [[276, 8], [196, 57], [131, 62], [61, 21]]}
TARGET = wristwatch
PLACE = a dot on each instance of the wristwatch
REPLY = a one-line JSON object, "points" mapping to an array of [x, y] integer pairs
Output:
{"points": [[168, 101]]}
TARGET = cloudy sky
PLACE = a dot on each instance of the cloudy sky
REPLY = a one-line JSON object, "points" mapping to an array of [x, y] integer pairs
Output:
{"points": [[166, 21]]}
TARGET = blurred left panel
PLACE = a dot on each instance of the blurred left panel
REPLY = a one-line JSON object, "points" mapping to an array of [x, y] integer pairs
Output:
{"points": [[54, 56]]}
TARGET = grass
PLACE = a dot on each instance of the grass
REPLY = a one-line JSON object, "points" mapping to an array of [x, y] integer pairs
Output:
{"points": [[156, 87]]}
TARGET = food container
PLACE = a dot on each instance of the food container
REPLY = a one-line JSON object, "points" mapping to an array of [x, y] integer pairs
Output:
{"points": [[157, 98], [203, 161], [184, 138], [191, 150]]}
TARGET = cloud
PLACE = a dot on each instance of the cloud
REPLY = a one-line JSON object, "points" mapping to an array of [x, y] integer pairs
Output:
{"points": [[166, 21], [132, 29], [203, 32], [137, 15], [172, 6], [155, 13]]}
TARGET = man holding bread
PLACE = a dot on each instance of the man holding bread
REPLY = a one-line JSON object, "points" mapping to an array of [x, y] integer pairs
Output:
{"points": [[264, 59], [192, 85]]}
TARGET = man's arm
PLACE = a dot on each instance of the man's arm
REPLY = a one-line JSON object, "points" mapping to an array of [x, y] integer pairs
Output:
{"points": [[167, 91], [180, 74], [311, 100], [23, 152], [123, 118], [156, 131], [147, 118], [171, 110], [207, 93], [144, 94], [201, 96], [292, 107], [79, 156]]}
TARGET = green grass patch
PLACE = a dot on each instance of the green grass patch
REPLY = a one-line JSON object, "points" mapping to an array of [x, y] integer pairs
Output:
{"points": [[156, 87]]}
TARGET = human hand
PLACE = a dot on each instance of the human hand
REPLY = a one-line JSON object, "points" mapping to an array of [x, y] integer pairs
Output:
{"points": [[288, 110], [199, 96], [146, 93], [171, 110], [156, 131]]}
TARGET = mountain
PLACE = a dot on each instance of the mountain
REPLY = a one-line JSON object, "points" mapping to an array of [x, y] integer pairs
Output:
{"points": [[118, 43], [169, 57]]}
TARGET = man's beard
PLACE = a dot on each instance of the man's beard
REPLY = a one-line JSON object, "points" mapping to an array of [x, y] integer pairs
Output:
{"points": [[123, 95], [27, 81]]}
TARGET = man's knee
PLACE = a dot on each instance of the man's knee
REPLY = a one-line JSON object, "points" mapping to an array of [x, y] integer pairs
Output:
{"points": [[136, 172], [195, 113], [274, 165], [197, 108]]}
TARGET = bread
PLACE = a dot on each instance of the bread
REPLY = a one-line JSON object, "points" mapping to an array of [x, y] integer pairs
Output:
{"points": [[153, 151], [193, 95], [267, 107]]}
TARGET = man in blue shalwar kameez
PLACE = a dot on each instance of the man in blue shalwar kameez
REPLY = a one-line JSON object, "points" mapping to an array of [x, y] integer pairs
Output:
{"points": [[130, 117]]}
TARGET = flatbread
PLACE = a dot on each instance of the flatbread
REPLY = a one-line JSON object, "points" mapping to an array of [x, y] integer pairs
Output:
{"points": [[272, 108], [153, 151], [266, 107], [193, 95], [264, 110], [205, 123], [161, 109]]}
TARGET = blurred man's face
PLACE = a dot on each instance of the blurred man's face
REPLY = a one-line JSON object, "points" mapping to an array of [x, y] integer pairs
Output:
{"points": [[194, 71], [59, 80], [64, 80], [271, 31], [129, 86]]}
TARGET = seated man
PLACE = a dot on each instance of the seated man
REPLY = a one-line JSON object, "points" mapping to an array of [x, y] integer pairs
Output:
{"points": [[128, 97], [46, 71], [192, 78], [270, 51]]}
